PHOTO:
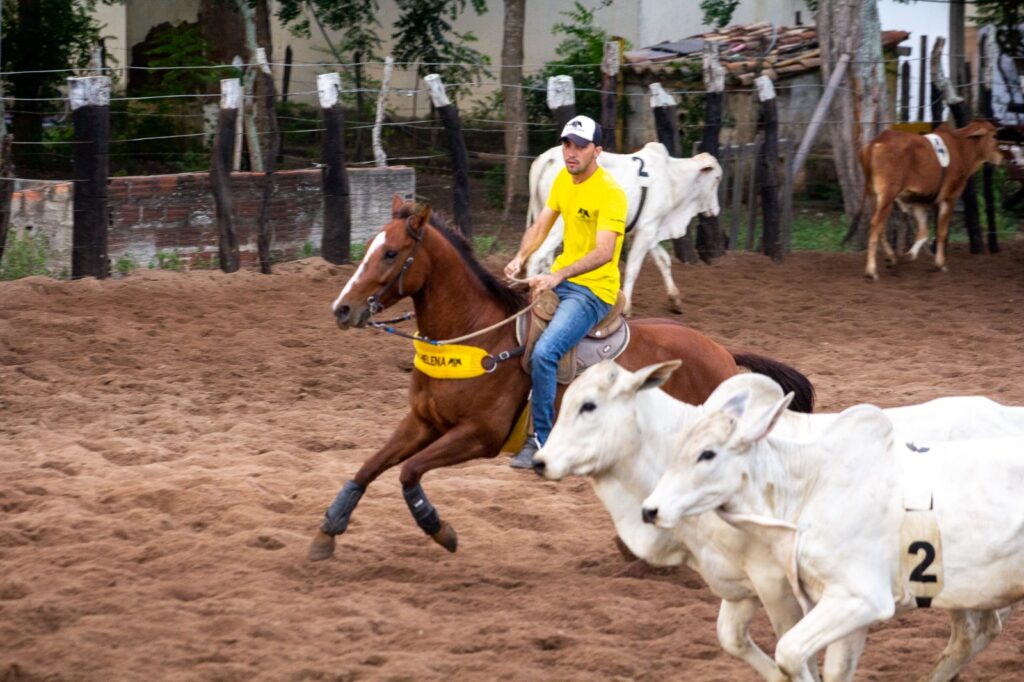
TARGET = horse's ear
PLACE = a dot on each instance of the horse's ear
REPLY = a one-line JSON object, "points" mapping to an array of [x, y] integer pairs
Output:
{"points": [[422, 215], [396, 205]]}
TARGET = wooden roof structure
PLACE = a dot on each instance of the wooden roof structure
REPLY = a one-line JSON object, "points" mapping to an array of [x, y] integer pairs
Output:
{"points": [[795, 51]]}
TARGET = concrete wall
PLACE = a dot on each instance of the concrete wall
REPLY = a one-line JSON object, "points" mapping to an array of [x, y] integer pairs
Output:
{"points": [[175, 214]]}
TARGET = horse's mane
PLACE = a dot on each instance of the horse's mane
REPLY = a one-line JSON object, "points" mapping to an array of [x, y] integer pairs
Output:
{"points": [[512, 300]]}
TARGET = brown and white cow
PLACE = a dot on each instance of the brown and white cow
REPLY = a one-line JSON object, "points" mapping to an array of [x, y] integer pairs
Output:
{"points": [[904, 168]]}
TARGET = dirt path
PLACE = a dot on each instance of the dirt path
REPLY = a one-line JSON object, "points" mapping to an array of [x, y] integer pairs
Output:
{"points": [[169, 442]]}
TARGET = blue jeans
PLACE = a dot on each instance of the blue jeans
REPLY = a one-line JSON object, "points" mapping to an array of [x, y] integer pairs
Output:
{"points": [[579, 310]]}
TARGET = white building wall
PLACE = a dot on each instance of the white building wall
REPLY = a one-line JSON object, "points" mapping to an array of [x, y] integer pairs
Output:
{"points": [[639, 22]]}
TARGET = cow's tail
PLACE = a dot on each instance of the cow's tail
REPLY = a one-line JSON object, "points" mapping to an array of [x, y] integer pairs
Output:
{"points": [[784, 375], [865, 163]]}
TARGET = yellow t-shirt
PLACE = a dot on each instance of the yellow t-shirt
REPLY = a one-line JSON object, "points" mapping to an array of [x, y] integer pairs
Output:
{"points": [[597, 203]]}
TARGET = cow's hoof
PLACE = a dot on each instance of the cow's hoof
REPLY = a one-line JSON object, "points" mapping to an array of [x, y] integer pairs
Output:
{"points": [[322, 546], [446, 537]]}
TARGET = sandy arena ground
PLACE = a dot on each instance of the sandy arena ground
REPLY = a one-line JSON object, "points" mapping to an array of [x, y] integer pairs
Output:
{"points": [[169, 443]]}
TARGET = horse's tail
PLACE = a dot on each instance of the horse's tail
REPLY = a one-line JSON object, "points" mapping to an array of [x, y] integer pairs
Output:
{"points": [[787, 377]]}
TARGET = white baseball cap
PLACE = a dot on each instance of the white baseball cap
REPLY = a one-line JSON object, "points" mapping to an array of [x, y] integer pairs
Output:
{"points": [[582, 130]]}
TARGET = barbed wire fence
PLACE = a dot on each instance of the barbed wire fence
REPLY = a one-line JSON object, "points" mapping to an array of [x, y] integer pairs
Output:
{"points": [[408, 135]]}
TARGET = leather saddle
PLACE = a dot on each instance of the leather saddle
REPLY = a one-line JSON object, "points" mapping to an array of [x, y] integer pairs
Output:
{"points": [[606, 341]]}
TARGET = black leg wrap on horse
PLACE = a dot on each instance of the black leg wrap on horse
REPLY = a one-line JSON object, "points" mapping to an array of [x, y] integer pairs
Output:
{"points": [[424, 512], [337, 515]]}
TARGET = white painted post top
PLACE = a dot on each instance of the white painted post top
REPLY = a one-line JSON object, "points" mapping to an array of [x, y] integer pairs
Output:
{"points": [[561, 92], [660, 98], [230, 93], [436, 87], [765, 88], [611, 60], [714, 72], [261, 59], [89, 90], [328, 87]]}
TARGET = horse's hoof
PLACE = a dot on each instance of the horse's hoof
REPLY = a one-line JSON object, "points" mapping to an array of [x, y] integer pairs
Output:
{"points": [[446, 537], [676, 306], [322, 546], [871, 276]]}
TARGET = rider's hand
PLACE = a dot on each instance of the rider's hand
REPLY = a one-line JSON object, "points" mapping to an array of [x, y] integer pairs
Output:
{"points": [[539, 283], [514, 266]]}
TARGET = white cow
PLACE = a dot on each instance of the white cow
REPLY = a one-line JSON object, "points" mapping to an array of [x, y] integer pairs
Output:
{"points": [[676, 191], [833, 508], [621, 436]]}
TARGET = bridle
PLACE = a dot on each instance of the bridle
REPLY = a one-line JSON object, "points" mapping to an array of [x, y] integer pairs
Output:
{"points": [[385, 325], [374, 300]]}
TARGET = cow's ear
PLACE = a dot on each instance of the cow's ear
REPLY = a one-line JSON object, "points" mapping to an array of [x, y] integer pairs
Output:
{"points": [[654, 376], [736, 406], [396, 205], [980, 131], [764, 423]]}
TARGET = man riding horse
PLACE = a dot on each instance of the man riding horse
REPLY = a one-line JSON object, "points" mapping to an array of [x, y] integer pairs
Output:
{"points": [[585, 277]]}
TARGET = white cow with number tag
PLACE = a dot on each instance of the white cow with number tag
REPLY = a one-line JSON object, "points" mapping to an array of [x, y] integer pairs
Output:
{"points": [[619, 430], [864, 522], [663, 194]]}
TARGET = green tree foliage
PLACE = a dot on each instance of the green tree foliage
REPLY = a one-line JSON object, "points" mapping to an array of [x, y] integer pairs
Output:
{"points": [[172, 53], [579, 55], [44, 35], [1007, 16], [424, 33], [356, 19], [718, 13]]}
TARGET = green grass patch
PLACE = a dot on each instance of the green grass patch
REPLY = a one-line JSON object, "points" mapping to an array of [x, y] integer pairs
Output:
{"points": [[25, 255]]}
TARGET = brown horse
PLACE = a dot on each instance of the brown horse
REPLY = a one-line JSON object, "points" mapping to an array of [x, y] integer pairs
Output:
{"points": [[455, 420]]}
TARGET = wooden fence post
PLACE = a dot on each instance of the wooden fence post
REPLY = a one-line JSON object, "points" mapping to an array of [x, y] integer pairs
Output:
{"points": [[756, 178], [90, 106], [335, 242], [457, 150], [286, 77], [922, 77], [905, 92], [787, 196], [561, 99], [609, 80], [666, 123], [378, 149], [770, 169], [220, 175], [710, 243], [961, 117], [6, 190], [989, 55], [737, 156], [264, 231], [818, 117]]}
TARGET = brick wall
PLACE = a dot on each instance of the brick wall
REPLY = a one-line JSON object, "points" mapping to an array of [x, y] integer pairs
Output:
{"points": [[175, 214]]}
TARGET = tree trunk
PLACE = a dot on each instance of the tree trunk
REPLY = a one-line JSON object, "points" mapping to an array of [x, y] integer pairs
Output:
{"points": [[852, 26], [515, 102], [224, 31], [27, 115]]}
